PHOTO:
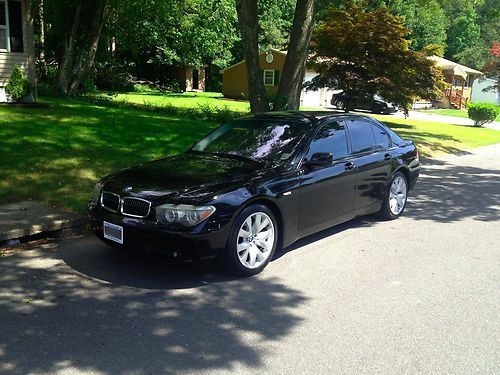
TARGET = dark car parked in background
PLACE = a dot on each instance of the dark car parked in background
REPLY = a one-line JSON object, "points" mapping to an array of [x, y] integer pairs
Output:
{"points": [[256, 184], [373, 103]]}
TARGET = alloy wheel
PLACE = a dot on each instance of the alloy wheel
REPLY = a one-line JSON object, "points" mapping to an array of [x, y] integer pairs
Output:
{"points": [[255, 240], [398, 195]]}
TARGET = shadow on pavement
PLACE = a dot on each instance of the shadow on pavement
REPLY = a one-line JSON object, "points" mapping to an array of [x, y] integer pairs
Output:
{"points": [[447, 192], [134, 269], [365, 221], [53, 320]]}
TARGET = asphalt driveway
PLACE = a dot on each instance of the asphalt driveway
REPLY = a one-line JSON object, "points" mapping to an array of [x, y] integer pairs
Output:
{"points": [[415, 295]]}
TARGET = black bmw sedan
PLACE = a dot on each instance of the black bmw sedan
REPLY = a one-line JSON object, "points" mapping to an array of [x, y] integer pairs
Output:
{"points": [[256, 184]]}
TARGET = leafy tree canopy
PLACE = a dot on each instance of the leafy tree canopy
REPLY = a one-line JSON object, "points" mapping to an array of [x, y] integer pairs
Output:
{"points": [[367, 52]]}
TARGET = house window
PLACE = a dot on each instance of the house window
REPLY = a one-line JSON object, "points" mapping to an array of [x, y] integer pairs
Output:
{"points": [[269, 77], [4, 27], [11, 26]]}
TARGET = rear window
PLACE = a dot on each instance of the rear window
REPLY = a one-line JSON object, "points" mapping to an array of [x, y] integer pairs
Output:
{"points": [[396, 139]]}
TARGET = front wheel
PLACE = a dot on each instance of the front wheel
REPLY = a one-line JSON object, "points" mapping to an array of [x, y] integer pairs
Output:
{"points": [[395, 197], [252, 241], [340, 104]]}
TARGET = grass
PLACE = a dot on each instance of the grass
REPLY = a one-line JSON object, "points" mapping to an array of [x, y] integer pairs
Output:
{"points": [[434, 139], [56, 153], [184, 100], [452, 112]]}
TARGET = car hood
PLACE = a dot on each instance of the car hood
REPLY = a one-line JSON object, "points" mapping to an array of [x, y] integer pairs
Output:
{"points": [[183, 176]]}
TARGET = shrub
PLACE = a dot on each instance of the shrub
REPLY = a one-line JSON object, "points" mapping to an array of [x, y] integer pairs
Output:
{"points": [[18, 86], [142, 88], [483, 113]]}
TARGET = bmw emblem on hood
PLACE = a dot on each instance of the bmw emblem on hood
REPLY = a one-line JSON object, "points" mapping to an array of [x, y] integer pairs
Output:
{"points": [[128, 189]]}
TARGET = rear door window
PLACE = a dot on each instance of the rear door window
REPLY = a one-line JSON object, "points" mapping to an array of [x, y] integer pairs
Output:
{"points": [[361, 136], [382, 140]]}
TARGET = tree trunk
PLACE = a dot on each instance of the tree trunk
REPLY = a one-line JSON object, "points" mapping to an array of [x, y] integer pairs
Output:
{"points": [[290, 85], [85, 60], [248, 24], [69, 51], [73, 67]]}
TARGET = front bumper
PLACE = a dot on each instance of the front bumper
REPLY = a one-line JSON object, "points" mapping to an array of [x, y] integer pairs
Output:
{"points": [[152, 237]]}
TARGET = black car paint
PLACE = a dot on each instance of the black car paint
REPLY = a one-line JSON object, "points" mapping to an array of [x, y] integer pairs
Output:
{"points": [[304, 199], [367, 103]]}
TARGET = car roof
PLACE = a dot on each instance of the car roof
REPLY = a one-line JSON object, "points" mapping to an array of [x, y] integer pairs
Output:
{"points": [[314, 118]]}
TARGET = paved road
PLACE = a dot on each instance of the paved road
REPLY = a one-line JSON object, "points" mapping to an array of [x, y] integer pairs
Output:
{"points": [[416, 295]]}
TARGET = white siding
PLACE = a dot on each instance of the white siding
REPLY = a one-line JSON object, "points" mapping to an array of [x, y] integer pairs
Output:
{"points": [[480, 96], [316, 98], [9, 59]]}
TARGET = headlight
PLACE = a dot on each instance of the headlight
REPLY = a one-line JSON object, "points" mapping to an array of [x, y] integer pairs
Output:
{"points": [[96, 193], [184, 214]]}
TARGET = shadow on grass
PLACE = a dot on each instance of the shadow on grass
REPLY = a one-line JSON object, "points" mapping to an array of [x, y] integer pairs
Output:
{"points": [[56, 154], [54, 319]]}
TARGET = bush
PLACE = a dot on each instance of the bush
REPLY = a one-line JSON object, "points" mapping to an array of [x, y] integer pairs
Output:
{"points": [[18, 87], [483, 113]]}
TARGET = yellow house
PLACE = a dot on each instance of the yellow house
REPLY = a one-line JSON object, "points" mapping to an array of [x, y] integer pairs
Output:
{"points": [[459, 78], [235, 78], [16, 41]]}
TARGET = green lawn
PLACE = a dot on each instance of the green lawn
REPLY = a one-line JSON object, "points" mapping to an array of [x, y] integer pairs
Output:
{"points": [[433, 139], [184, 100], [56, 153], [452, 112]]}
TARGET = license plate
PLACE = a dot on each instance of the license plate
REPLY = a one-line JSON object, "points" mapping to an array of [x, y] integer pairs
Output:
{"points": [[113, 232]]}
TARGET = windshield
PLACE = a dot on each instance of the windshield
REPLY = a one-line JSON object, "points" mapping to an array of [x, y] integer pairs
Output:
{"points": [[254, 139]]}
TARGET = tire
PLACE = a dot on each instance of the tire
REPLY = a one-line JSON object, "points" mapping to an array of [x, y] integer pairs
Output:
{"points": [[340, 104], [247, 255], [396, 197]]}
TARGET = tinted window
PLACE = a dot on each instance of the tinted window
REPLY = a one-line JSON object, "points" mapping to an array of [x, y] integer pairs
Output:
{"points": [[3, 21], [330, 138], [265, 139], [382, 140], [16, 26], [361, 135]]}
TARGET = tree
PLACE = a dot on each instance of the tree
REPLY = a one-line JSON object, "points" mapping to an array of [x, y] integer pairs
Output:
{"points": [[492, 68], [288, 94], [275, 22], [290, 85], [80, 23], [367, 53], [425, 18], [249, 28]]}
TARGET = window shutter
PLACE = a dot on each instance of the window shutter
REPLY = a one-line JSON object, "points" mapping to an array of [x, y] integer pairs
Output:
{"points": [[276, 77], [262, 74]]}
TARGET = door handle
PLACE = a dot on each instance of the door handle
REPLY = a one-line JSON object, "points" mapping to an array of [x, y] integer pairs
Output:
{"points": [[387, 157], [348, 166]]}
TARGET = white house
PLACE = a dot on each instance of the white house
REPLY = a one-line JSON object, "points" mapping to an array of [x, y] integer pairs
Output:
{"points": [[487, 96], [16, 41]]}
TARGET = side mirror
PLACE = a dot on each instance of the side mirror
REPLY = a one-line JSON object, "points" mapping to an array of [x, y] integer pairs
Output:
{"points": [[320, 159]]}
